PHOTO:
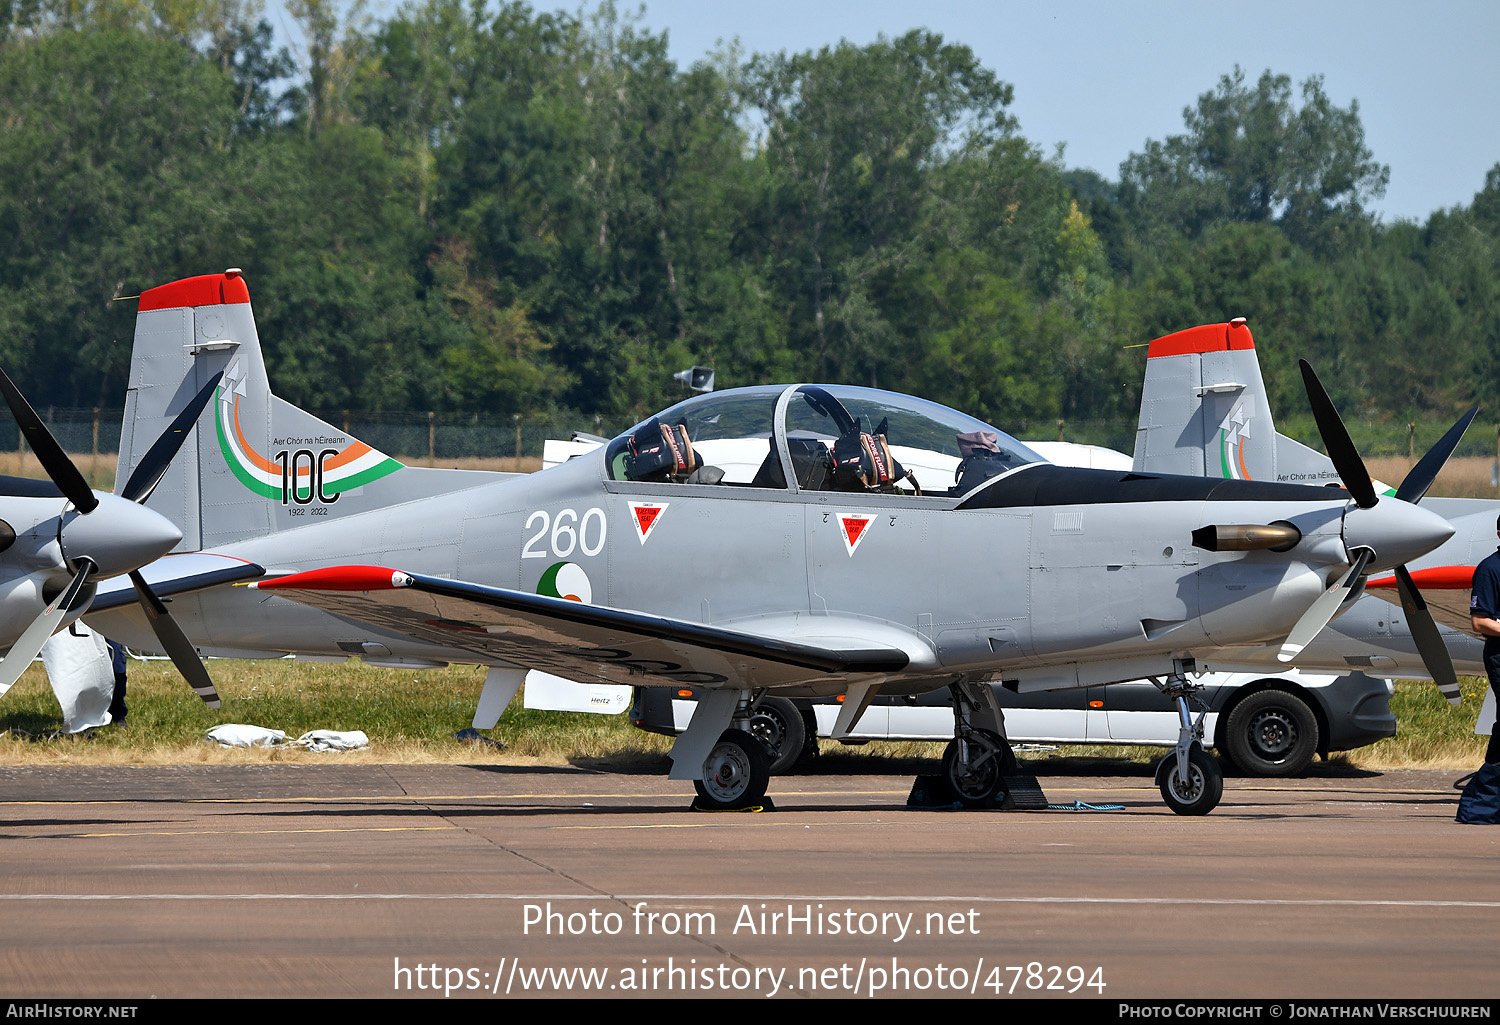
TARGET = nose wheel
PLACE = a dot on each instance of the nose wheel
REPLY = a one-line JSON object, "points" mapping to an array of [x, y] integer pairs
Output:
{"points": [[1196, 793]]}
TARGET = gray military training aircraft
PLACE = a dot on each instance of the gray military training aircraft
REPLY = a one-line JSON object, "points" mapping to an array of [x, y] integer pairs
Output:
{"points": [[811, 540]]}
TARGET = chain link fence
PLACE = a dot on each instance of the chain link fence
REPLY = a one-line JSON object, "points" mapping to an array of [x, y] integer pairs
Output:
{"points": [[403, 434], [438, 436]]}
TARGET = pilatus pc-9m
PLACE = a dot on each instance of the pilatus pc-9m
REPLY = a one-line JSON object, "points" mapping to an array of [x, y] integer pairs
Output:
{"points": [[797, 539]]}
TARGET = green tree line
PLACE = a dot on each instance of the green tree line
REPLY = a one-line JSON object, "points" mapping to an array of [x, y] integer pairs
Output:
{"points": [[480, 208]]}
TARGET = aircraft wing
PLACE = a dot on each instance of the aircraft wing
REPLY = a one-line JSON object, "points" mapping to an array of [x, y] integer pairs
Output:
{"points": [[175, 574], [573, 640], [1446, 590]]}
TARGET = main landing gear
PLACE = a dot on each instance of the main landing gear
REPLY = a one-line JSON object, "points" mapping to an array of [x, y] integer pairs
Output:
{"points": [[730, 767], [1190, 779], [735, 773], [977, 759]]}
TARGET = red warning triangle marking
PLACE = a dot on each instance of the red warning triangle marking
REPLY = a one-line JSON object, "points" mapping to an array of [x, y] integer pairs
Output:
{"points": [[645, 516], [854, 528]]}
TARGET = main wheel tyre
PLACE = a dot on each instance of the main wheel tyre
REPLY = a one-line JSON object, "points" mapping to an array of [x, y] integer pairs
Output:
{"points": [[1200, 793], [1272, 733], [736, 772], [777, 724], [981, 781]]}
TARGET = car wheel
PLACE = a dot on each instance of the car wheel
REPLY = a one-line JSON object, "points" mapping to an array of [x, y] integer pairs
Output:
{"points": [[1272, 733], [777, 723]]}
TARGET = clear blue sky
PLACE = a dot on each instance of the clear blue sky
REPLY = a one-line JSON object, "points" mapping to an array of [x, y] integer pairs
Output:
{"points": [[1103, 77]]}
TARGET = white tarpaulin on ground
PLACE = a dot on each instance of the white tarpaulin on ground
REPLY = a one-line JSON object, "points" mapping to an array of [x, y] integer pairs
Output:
{"points": [[243, 735], [332, 740], [235, 734]]}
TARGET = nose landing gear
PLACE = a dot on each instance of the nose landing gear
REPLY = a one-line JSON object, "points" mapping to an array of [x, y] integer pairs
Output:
{"points": [[1190, 779]]}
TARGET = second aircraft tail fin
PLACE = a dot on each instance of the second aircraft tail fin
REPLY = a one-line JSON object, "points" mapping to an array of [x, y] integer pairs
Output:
{"points": [[1204, 413]]}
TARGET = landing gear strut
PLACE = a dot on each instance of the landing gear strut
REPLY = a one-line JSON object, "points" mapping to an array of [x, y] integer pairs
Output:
{"points": [[977, 760], [1190, 779]]}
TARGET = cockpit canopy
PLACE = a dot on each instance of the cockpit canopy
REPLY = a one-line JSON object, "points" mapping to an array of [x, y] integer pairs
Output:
{"points": [[816, 438]]}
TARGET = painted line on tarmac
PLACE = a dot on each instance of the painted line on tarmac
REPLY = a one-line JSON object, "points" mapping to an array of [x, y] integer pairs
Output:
{"points": [[239, 832], [628, 795], [742, 898], [636, 795], [659, 825]]}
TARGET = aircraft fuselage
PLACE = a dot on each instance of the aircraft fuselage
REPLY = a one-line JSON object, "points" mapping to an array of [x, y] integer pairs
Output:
{"points": [[1010, 582]]}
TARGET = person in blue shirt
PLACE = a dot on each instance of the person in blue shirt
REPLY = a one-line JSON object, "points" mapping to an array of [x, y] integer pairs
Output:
{"points": [[1484, 614]]}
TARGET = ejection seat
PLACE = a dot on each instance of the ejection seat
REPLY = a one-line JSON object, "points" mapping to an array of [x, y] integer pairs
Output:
{"points": [[664, 453]]}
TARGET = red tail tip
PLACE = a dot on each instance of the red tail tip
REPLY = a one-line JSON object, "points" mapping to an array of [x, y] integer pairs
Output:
{"points": [[205, 290], [1208, 338]]}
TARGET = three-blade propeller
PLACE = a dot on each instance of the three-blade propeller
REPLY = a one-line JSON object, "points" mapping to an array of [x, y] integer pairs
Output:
{"points": [[1356, 480], [128, 537]]}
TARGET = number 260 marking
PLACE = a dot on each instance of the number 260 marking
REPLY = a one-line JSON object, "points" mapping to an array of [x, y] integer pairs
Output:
{"points": [[565, 531]]}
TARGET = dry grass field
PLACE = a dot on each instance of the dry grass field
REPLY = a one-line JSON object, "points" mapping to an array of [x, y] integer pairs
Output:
{"points": [[1461, 478]]}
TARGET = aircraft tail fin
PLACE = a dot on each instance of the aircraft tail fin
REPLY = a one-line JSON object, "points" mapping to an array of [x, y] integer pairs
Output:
{"points": [[1204, 413], [257, 464]]}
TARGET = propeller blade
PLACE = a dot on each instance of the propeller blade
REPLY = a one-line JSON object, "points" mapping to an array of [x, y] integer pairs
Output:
{"points": [[174, 642], [53, 459], [1321, 611], [1429, 466], [29, 645], [1336, 440], [153, 465], [1424, 630]]}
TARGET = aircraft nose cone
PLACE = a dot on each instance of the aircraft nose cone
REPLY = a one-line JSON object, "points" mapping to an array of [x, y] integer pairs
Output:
{"points": [[1399, 532], [118, 536]]}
